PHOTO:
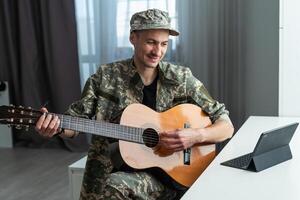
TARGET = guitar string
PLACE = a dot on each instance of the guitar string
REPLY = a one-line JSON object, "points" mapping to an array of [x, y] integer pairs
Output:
{"points": [[103, 123], [83, 123], [93, 129]]}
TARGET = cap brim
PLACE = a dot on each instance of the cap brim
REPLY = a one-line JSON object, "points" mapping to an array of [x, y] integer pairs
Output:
{"points": [[171, 31]]}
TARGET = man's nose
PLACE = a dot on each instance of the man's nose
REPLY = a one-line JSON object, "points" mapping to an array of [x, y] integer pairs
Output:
{"points": [[157, 49]]}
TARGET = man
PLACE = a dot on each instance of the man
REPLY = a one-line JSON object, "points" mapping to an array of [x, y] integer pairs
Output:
{"points": [[145, 79]]}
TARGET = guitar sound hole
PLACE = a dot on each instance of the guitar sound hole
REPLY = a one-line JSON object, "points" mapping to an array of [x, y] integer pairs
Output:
{"points": [[150, 137]]}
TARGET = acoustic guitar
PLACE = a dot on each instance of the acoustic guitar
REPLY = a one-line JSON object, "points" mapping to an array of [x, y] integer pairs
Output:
{"points": [[138, 133]]}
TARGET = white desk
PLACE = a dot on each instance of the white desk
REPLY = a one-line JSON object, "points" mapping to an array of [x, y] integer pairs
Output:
{"points": [[278, 182], [76, 171]]}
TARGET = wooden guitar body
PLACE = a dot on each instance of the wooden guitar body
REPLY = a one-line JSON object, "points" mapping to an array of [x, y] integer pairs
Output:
{"points": [[140, 156]]}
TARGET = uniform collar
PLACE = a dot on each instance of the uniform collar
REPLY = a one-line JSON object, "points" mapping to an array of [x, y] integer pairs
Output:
{"points": [[165, 76]]}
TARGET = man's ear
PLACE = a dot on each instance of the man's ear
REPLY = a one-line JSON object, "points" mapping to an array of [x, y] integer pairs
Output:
{"points": [[132, 38]]}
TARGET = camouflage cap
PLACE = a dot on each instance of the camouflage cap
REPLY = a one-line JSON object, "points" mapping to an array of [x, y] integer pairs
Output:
{"points": [[152, 19]]}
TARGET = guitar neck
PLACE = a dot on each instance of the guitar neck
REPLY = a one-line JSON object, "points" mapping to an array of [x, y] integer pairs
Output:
{"points": [[117, 131]]}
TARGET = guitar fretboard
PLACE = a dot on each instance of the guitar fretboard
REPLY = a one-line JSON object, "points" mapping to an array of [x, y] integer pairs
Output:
{"points": [[105, 129]]}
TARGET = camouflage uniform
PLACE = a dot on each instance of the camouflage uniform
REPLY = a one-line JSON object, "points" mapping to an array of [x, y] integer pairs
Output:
{"points": [[105, 95]]}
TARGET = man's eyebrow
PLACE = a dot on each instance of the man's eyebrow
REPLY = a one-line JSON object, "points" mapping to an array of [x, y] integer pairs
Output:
{"points": [[150, 39]]}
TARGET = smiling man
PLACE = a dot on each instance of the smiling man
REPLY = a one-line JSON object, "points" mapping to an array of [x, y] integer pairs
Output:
{"points": [[145, 79]]}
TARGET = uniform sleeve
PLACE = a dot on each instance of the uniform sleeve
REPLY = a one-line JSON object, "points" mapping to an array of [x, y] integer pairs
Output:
{"points": [[86, 106], [200, 95]]}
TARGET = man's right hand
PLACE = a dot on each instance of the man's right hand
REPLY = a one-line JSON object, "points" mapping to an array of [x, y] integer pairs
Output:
{"points": [[48, 124]]}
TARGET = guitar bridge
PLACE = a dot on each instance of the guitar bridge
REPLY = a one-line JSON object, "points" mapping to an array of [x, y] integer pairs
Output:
{"points": [[187, 152]]}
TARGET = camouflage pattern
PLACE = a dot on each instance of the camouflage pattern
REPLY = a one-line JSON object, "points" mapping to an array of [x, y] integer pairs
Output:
{"points": [[133, 185], [105, 95], [152, 19]]}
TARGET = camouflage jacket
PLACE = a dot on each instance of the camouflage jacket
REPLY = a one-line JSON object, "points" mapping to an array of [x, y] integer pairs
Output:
{"points": [[116, 85]]}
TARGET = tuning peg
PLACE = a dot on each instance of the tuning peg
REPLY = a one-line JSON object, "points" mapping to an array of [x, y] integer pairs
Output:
{"points": [[11, 111], [18, 127], [26, 128], [21, 107], [12, 105], [21, 120], [29, 108]]}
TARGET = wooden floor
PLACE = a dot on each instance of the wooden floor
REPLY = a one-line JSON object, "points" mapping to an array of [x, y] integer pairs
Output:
{"points": [[35, 174]]}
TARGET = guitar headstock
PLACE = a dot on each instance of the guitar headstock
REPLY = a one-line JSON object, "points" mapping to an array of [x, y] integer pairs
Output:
{"points": [[19, 117]]}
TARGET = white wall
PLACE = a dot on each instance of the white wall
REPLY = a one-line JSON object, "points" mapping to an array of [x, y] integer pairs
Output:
{"points": [[289, 64]]}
